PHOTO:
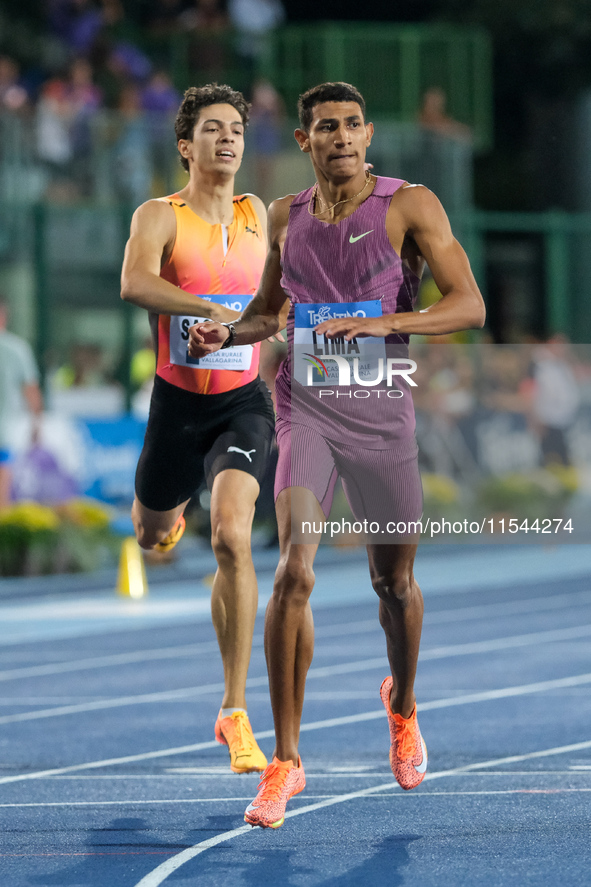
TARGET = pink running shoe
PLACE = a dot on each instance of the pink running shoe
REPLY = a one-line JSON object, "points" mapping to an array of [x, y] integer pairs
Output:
{"points": [[408, 752], [280, 782]]}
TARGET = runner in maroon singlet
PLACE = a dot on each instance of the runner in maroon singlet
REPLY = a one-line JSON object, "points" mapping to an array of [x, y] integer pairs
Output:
{"points": [[349, 254]]}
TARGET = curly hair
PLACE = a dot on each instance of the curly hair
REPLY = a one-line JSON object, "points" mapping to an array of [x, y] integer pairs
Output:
{"points": [[198, 97], [326, 92]]}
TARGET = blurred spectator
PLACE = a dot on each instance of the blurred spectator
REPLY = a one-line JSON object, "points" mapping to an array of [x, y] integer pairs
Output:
{"points": [[503, 384], [127, 62], [159, 95], [208, 49], [265, 129], [131, 151], [556, 398], [64, 114], [77, 23], [13, 96], [162, 16], [160, 101], [19, 392], [84, 369], [433, 116], [204, 15], [254, 20]]}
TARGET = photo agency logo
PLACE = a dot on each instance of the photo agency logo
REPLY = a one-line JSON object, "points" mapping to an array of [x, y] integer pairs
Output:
{"points": [[361, 362]]}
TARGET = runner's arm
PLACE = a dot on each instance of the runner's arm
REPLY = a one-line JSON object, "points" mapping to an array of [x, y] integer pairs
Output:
{"points": [[420, 214], [461, 306], [152, 235], [266, 314]]}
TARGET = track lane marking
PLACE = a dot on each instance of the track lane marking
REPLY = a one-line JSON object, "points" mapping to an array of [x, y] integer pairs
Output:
{"points": [[523, 640], [524, 606], [33, 671], [158, 875], [450, 702], [247, 798]]}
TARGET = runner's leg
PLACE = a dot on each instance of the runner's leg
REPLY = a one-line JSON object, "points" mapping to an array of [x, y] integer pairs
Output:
{"points": [[401, 617], [289, 627], [234, 596], [152, 526]]}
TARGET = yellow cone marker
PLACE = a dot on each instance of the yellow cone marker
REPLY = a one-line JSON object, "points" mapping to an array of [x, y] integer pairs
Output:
{"points": [[131, 579]]}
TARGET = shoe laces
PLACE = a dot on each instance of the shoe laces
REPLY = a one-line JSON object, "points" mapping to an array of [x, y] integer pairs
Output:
{"points": [[405, 737], [273, 780], [242, 732]]}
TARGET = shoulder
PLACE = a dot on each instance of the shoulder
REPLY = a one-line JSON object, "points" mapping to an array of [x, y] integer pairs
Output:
{"points": [[258, 206], [154, 216], [158, 207], [279, 209], [415, 205]]}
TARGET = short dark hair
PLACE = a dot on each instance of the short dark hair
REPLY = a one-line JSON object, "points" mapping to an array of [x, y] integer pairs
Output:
{"points": [[326, 92], [198, 97]]}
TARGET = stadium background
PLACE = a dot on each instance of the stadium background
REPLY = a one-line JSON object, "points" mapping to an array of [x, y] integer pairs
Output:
{"points": [[487, 103]]}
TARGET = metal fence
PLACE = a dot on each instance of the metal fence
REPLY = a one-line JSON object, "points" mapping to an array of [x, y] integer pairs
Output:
{"points": [[392, 66]]}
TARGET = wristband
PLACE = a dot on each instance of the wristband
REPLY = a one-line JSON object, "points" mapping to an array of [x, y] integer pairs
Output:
{"points": [[232, 331]]}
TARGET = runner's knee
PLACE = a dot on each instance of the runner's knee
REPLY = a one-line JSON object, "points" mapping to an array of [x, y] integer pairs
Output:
{"points": [[229, 542], [294, 581], [399, 588]]}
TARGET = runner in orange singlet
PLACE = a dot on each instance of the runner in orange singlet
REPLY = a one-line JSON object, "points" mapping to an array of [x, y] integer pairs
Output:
{"points": [[199, 254]]}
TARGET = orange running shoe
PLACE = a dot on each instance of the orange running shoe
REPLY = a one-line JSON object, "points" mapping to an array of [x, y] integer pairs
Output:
{"points": [[235, 732], [280, 782], [173, 537], [408, 752]]}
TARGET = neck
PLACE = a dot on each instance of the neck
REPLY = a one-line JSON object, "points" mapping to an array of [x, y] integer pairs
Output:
{"points": [[338, 199], [210, 197]]}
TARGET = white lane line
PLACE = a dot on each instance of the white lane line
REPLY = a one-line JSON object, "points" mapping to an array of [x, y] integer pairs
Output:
{"points": [[158, 875], [464, 614], [247, 798], [449, 702], [523, 640], [519, 640], [34, 671], [509, 608]]}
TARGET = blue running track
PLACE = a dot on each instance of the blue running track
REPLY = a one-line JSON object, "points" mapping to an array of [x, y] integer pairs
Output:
{"points": [[110, 775]]}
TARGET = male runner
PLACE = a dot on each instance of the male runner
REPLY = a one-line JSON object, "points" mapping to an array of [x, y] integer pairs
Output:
{"points": [[361, 239], [193, 255]]}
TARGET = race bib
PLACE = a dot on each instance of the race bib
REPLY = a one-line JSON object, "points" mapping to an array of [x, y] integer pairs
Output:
{"points": [[318, 361], [234, 358]]}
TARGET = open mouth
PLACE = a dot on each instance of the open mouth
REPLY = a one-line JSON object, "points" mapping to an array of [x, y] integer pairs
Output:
{"points": [[225, 153]]}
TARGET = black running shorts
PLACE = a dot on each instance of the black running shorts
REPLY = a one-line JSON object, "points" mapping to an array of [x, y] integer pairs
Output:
{"points": [[190, 437]]}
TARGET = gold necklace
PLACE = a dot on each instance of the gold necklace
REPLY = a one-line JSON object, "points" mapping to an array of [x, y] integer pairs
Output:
{"points": [[315, 195]]}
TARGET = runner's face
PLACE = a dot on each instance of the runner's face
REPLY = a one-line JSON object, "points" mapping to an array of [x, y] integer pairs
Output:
{"points": [[218, 140], [337, 140]]}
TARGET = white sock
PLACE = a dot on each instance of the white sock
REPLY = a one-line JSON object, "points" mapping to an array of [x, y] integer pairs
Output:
{"points": [[228, 712]]}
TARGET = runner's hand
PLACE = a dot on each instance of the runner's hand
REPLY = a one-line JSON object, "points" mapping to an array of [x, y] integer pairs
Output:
{"points": [[355, 327], [206, 337]]}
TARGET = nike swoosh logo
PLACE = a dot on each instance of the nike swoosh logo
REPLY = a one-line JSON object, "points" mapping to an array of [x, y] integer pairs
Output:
{"points": [[250, 807], [422, 767], [359, 236]]}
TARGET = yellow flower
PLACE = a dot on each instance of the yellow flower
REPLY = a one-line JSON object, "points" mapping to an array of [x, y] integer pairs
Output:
{"points": [[439, 488], [566, 474], [30, 516], [84, 513]]}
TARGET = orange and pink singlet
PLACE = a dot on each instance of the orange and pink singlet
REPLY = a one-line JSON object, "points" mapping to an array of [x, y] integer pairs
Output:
{"points": [[222, 266]]}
